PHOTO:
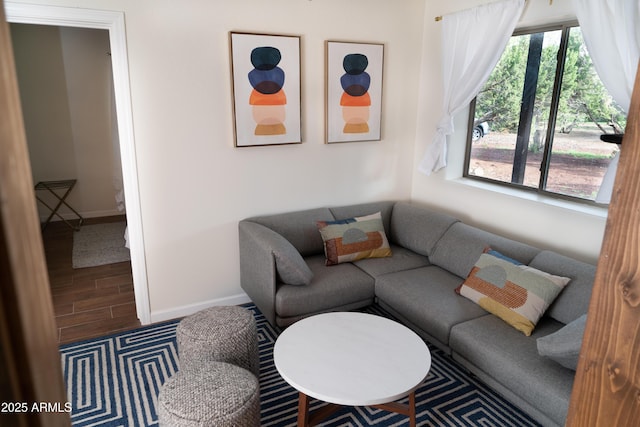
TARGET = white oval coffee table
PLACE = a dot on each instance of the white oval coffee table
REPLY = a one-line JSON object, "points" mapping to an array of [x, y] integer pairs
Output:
{"points": [[352, 359]]}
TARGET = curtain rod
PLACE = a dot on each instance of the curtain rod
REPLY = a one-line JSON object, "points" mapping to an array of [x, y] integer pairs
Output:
{"points": [[439, 18]]}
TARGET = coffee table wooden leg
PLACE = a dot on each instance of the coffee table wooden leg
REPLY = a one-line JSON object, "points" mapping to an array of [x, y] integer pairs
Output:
{"points": [[401, 408], [308, 419], [305, 419], [303, 410], [412, 409]]}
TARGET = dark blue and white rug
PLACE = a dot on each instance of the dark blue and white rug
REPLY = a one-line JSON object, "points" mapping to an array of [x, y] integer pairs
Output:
{"points": [[114, 381]]}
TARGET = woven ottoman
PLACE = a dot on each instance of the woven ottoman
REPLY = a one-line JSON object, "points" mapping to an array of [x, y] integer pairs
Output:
{"points": [[223, 334], [213, 394]]}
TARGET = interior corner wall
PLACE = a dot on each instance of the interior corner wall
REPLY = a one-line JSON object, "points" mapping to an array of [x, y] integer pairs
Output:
{"points": [[89, 86], [65, 88], [194, 184], [536, 221], [45, 106]]}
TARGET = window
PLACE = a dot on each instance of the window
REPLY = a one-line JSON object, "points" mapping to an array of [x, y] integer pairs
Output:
{"points": [[536, 124]]}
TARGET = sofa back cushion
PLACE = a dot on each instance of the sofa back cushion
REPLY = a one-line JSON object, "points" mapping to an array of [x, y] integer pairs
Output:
{"points": [[461, 246], [418, 228], [574, 299], [299, 228]]}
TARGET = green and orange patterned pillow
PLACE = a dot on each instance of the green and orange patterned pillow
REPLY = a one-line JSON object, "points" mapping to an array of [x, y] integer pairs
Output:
{"points": [[516, 293], [354, 238]]}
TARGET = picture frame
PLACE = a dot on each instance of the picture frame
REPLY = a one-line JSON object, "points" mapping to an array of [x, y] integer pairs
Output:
{"points": [[354, 77], [266, 89]]}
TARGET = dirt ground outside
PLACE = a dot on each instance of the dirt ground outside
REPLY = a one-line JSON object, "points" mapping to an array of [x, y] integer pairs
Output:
{"points": [[578, 163]]}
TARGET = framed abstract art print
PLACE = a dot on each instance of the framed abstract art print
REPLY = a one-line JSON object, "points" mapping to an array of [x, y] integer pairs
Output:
{"points": [[265, 74], [353, 91]]}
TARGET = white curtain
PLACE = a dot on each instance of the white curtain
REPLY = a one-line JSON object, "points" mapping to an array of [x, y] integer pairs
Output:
{"points": [[472, 42], [611, 31]]}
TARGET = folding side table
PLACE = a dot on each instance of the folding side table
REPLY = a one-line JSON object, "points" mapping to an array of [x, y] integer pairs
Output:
{"points": [[65, 188]]}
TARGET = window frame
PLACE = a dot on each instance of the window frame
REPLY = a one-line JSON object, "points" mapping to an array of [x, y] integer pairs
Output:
{"points": [[564, 27]]}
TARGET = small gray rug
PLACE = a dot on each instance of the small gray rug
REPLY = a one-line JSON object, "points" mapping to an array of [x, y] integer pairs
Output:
{"points": [[99, 244]]}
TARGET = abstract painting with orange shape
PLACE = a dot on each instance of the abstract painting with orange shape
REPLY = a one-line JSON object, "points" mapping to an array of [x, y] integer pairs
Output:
{"points": [[354, 91], [266, 89]]}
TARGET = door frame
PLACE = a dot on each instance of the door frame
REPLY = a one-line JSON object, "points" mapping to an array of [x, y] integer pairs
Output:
{"points": [[112, 21]]}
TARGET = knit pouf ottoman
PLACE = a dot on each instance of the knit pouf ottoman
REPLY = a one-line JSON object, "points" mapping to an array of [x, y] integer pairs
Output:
{"points": [[223, 334], [213, 394]]}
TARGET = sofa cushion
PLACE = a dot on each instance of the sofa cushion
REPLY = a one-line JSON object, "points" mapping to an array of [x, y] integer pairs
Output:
{"points": [[459, 248], [426, 298], [564, 345], [511, 359], [352, 239], [573, 302], [418, 228], [290, 266], [332, 286], [401, 259], [518, 294], [300, 228]]}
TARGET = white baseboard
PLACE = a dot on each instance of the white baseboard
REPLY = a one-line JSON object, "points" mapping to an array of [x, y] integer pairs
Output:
{"points": [[186, 310], [69, 216]]}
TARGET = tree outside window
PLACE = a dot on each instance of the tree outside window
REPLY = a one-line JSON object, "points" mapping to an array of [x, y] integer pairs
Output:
{"points": [[537, 122]]}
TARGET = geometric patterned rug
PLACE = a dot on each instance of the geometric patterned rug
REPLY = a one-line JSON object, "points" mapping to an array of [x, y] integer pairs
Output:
{"points": [[114, 381]]}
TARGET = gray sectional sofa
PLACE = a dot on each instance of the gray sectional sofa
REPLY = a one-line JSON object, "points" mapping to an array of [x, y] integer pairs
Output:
{"points": [[283, 271]]}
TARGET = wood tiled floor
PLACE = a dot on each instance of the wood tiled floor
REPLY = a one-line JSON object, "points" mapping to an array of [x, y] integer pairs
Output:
{"points": [[88, 302]]}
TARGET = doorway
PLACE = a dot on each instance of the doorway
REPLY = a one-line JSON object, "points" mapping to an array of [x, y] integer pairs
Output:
{"points": [[66, 87], [113, 22]]}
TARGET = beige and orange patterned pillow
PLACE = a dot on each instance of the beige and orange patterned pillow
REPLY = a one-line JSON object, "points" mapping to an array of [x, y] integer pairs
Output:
{"points": [[516, 293], [354, 238]]}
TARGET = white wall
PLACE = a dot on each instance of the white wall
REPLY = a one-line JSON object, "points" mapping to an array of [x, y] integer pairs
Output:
{"points": [[90, 86], [194, 184], [565, 227], [65, 88]]}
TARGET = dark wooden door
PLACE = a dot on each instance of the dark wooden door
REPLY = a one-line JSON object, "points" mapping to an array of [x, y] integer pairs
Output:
{"points": [[606, 391], [30, 367]]}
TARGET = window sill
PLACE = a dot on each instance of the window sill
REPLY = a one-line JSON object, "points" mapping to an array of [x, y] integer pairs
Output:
{"points": [[596, 211]]}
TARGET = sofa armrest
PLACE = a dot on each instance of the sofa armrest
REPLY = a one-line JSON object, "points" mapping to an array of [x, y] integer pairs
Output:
{"points": [[258, 268], [260, 249]]}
